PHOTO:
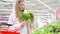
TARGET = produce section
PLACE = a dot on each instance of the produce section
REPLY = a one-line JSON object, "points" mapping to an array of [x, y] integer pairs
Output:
{"points": [[44, 17], [53, 28]]}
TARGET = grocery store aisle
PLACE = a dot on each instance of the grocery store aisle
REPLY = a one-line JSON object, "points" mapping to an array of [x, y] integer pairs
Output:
{"points": [[41, 12]]}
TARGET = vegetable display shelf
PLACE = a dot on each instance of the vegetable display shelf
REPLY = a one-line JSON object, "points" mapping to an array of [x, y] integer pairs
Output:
{"points": [[53, 28], [8, 32]]}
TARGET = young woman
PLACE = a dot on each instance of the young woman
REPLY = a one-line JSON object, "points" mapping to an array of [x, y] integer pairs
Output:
{"points": [[18, 25]]}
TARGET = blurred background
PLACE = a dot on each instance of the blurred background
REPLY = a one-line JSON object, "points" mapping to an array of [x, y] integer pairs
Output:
{"points": [[43, 10]]}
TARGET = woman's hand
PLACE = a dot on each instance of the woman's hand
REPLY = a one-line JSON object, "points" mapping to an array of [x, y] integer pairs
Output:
{"points": [[23, 23]]}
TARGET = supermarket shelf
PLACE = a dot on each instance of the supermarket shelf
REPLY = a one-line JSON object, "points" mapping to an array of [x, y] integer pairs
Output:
{"points": [[5, 3], [5, 9], [11, 1]]}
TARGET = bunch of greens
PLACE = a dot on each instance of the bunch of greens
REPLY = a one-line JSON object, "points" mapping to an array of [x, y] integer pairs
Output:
{"points": [[49, 29], [27, 16]]}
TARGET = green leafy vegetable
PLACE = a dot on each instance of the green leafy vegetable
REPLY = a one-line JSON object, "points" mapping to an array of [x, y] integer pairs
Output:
{"points": [[27, 16], [53, 28]]}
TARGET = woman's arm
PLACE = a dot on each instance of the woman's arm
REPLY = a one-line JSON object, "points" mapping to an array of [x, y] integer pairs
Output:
{"points": [[17, 27]]}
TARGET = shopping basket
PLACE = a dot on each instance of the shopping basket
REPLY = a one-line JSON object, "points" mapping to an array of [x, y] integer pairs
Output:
{"points": [[8, 32]]}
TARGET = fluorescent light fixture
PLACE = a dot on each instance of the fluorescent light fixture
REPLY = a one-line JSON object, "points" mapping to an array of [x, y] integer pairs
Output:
{"points": [[31, 4], [45, 5]]}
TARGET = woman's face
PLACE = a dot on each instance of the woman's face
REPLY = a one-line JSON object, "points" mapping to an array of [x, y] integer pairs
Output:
{"points": [[21, 6]]}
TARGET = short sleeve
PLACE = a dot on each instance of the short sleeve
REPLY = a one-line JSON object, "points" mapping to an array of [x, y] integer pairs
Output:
{"points": [[11, 19]]}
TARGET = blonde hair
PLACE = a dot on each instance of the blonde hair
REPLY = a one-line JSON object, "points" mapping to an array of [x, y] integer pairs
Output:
{"points": [[17, 10]]}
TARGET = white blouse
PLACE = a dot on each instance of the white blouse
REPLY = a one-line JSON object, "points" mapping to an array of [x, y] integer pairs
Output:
{"points": [[16, 25]]}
